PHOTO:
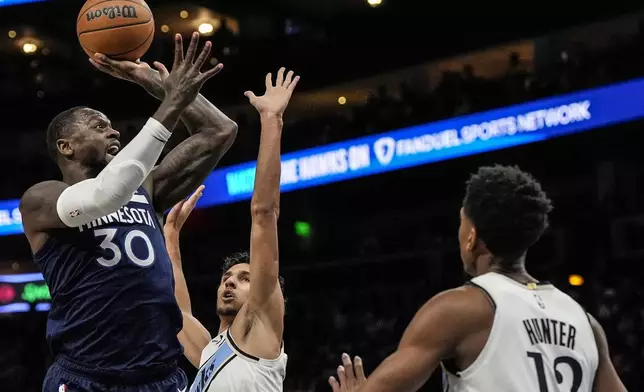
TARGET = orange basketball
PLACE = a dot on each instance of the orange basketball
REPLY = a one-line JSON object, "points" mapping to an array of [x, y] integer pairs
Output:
{"points": [[120, 29]]}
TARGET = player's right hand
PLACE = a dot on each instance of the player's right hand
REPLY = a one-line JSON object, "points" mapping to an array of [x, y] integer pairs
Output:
{"points": [[183, 83], [132, 71], [350, 375], [180, 212]]}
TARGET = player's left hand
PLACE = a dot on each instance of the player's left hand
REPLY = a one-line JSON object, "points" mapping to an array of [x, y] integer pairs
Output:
{"points": [[350, 375], [181, 211]]}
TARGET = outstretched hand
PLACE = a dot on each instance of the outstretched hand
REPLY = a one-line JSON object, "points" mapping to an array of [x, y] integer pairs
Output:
{"points": [[186, 78], [141, 73], [276, 98], [350, 375], [181, 211]]}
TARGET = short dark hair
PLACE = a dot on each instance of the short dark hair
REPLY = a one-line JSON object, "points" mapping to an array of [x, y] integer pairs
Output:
{"points": [[241, 258], [508, 209], [59, 127]]}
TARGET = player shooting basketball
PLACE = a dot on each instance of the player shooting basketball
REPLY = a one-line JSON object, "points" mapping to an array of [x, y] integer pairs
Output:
{"points": [[95, 235], [504, 331], [247, 354]]}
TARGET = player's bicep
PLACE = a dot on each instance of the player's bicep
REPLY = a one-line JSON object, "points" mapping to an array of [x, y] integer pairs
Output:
{"points": [[38, 207], [432, 335], [264, 258], [194, 337], [606, 378]]}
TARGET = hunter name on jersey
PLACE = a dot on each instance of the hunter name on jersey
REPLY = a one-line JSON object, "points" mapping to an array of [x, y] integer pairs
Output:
{"points": [[549, 331]]}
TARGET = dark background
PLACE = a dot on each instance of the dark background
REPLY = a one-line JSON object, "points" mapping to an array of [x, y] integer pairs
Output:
{"points": [[382, 245]]}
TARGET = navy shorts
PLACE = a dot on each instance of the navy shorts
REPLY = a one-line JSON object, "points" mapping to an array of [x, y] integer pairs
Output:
{"points": [[65, 376]]}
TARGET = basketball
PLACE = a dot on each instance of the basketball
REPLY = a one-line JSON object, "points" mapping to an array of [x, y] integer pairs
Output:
{"points": [[119, 29]]}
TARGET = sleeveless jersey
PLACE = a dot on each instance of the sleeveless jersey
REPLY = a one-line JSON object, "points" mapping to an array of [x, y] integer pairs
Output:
{"points": [[112, 287], [225, 368], [541, 340]]}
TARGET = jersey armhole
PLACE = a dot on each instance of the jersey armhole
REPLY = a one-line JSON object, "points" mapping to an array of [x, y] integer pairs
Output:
{"points": [[46, 248], [449, 364], [487, 294]]}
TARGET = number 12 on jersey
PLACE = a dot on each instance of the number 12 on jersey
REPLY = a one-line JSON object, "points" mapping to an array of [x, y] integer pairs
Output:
{"points": [[574, 365], [108, 244]]}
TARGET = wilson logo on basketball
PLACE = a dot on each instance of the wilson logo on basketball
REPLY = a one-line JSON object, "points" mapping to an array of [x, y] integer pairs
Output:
{"points": [[125, 11]]}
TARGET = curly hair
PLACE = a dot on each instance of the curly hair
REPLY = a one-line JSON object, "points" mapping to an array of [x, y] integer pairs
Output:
{"points": [[508, 209], [241, 258]]}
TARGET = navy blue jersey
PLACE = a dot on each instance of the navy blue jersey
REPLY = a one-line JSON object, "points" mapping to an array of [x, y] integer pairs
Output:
{"points": [[112, 288]]}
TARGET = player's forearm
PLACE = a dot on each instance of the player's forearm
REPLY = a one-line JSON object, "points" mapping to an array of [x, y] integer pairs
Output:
{"points": [[202, 116], [191, 162], [172, 246], [199, 116], [186, 167], [266, 194], [181, 292], [194, 338]]}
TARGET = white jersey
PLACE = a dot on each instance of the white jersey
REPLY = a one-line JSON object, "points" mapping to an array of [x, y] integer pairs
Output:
{"points": [[225, 368], [541, 341]]}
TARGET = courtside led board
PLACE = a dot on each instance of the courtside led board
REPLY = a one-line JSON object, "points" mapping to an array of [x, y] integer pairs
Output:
{"points": [[24, 292], [466, 135]]}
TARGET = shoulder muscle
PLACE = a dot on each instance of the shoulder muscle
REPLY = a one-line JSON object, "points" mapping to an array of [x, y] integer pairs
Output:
{"points": [[38, 206], [448, 318]]}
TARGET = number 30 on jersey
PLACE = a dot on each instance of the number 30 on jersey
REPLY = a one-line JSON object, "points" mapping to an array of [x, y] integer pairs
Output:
{"points": [[108, 244]]}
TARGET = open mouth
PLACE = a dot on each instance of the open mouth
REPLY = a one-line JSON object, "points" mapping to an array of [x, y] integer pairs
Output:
{"points": [[228, 295], [113, 148]]}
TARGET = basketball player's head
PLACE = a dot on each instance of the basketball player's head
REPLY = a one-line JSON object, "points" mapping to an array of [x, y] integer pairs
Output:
{"points": [[504, 212], [234, 287], [82, 136]]}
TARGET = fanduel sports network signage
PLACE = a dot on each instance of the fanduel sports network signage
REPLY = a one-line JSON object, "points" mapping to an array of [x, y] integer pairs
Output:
{"points": [[414, 146]]}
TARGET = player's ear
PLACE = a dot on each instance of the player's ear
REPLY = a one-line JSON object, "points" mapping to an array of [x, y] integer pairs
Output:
{"points": [[64, 147], [472, 238]]}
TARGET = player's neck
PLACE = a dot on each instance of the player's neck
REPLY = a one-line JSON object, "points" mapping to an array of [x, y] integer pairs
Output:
{"points": [[225, 323], [73, 173], [515, 270]]}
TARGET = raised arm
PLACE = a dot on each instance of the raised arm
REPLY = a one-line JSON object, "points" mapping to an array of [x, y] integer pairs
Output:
{"points": [[606, 378], [265, 298], [211, 131], [54, 204], [194, 336]]}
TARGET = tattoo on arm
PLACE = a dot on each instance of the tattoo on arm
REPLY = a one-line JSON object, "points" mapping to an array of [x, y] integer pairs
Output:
{"points": [[187, 165], [190, 163], [201, 113]]}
